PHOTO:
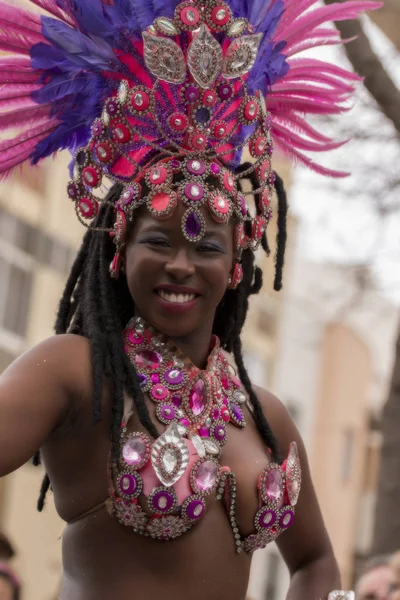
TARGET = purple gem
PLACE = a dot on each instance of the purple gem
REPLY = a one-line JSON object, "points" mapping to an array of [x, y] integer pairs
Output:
{"points": [[195, 509], [142, 379], [224, 91], [128, 195], [72, 190], [192, 94], [174, 376], [267, 518], [168, 412], [127, 484], [177, 400], [175, 164], [112, 107], [243, 206], [273, 485], [286, 519], [155, 378], [162, 501], [204, 432], [215, 169], [97, 128], [219, 433], [216, 414], [193, 225], [236, 412], [194, 191], [81, 158]]}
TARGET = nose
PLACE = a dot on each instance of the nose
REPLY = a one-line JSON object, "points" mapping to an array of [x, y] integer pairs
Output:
{"points": [[180, 265]]}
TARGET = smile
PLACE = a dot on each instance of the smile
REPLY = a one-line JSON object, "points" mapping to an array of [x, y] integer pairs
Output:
{"points": [[176, 298]]}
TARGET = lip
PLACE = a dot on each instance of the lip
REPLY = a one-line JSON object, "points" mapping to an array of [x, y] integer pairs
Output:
{"points": [[177, 289], [175, 307]]}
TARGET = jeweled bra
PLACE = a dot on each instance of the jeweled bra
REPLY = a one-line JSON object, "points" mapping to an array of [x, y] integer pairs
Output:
{"points": [[179, 470]]}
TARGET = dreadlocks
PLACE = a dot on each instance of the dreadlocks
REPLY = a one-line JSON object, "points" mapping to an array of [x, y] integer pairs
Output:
{"points": [[98, 307]]}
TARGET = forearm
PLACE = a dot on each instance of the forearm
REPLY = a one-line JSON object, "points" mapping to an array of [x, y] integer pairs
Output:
{"points": [[315, 580]]}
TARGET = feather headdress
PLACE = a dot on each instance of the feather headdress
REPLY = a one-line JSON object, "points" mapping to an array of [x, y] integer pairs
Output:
{"points": [[116, 81]]}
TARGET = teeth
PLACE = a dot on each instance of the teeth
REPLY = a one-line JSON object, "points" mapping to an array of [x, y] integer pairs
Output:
{"points": [[176, 298]]}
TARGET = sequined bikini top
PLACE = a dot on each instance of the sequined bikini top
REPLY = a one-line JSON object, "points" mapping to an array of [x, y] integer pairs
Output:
{"points": [[160, 488]]}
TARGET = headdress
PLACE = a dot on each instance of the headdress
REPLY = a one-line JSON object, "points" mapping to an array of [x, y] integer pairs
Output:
{"points": [[141, 90]]}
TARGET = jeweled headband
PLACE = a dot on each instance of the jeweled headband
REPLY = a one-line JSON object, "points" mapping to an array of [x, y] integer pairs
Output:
{"points": [[194, 83]]}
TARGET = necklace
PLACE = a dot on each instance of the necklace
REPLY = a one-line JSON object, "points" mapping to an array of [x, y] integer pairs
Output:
{"points": [[199, 402]]}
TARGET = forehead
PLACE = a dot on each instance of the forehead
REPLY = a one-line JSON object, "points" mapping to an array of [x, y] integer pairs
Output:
{"points": [[144, 221]]}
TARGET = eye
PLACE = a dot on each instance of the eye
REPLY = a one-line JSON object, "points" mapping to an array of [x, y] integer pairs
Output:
{"points": [[210, 247], [159, 242]]}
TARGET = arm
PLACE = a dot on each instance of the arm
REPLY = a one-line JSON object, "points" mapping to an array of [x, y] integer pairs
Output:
{"points": [[35, 398], [305, 546]]}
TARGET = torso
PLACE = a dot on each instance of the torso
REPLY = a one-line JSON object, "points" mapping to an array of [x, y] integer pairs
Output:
{"points": [[103, 559]]}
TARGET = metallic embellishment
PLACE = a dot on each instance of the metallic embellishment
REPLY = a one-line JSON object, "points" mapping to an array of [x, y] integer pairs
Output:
{"points": [[237, 27], [205, 58], [170, 456], [164, 58], [241, 56], [166, 26]]}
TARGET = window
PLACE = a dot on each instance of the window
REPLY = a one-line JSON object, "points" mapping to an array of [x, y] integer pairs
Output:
{"points": [[16, 284]]}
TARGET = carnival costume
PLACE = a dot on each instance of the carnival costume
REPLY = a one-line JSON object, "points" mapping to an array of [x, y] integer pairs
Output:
{"points": [[162, 97]]}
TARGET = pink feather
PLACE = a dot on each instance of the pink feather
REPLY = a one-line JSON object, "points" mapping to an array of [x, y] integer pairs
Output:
{"points": [[297, 156], [51, 7], [12, 91], [298, 142], [24, 117], [299, 124], [335, 12], [15, 41], [16, 103], [20, 19], [15, 152]]}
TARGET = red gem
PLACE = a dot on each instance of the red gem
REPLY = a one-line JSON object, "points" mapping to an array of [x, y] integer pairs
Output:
{"points": [[178, 122], [229, 182], [121, 133], [88, 208], [220, 15], [91, 176], [198, 141], [104, 152], [140, 100], [225, 413], [190, 16], [209, 98]]}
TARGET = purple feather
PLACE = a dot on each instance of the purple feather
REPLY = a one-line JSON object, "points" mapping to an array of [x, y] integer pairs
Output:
{"points": [[77, 46]]}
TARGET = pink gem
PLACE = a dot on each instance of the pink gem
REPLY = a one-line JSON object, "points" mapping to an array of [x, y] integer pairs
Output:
{"points": [[204, 432], [135, 338], [273, 485], [148, 359], [215, 168], [225, 382], [215, 413], [155, 378], [134, 450], [184, 422], [196, 398], [206, 475]]}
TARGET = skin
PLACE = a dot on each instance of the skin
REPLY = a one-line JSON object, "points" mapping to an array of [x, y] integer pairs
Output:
{"points": [[376, 584], [46, 401], [6, 590]]}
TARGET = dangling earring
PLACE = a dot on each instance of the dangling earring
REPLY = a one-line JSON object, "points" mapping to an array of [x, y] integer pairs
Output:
{"points": [[236, 278], [117, 266]]}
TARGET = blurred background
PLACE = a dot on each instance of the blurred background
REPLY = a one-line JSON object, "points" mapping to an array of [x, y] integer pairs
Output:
{"points": [[328, 345]]}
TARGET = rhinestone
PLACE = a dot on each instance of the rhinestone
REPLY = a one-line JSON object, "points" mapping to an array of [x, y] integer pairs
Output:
{"points": [[166, 26], [102, 152], [196, 166], [200, 140], [221, 203], [198, 510], [178, 122], [138, 99], [221, 14], [122, 92], [89, 177], [182, 429], [195, 191], [252, 110], [162, 502], [208, 422], [156, 174], [190, 16], [237, 27]]}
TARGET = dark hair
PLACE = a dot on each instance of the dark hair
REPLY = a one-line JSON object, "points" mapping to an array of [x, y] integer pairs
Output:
{"points": [[98, 307]]}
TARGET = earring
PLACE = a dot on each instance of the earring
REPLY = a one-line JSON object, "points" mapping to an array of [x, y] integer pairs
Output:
{"points": [[236, 278], [115, 266]]}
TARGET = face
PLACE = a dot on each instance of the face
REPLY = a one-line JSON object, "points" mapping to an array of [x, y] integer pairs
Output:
{"points": [[176, 284], [376, 584]]}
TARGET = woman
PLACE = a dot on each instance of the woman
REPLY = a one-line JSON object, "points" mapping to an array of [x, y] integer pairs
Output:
{"points": [[146, 420]]}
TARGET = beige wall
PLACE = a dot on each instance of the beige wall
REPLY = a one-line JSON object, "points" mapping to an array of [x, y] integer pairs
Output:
{"points": [[340, 436]]}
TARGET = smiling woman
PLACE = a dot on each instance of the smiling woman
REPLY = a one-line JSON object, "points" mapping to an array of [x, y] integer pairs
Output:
{"points": [[141, 407]]}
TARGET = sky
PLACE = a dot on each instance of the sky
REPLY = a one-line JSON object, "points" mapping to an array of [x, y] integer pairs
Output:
{"points": [[338, 219]]}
